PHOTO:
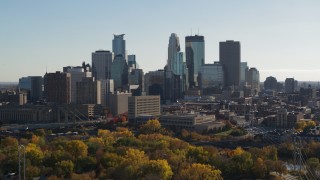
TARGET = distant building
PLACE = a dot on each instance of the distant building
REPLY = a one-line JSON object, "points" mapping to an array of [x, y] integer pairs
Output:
{"points": [[132, 63], [271, 83], [119, 103], [155, 83], [77, 73], [57, 87], [289, 85], [143, 105], [136, 77], [107, 88], [88, 91], [244, 68], [33, 85], [211, 75], [195, 57], [12, 97], [190, 122], [254, 80], [173, 50], [119, 73], [119, 45], [101, 64], [230, 55]]}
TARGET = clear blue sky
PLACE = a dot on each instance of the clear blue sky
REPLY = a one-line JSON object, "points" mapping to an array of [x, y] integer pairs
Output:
{"points": [[278, 37]]}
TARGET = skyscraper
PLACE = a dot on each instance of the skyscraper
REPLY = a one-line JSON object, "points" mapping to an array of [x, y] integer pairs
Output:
{"points": [[271, 83], [88, 91], [173, 49], [119, 45], [254, 79], [101, 64], [289, 85], [132, 63], [211, 75], [230, 56], [119, 73], [194, 57], [33, 85], [244, 68]]}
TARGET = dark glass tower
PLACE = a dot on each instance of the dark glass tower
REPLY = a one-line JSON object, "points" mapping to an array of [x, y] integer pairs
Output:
{"points": [[230, 55], [194, 57]]}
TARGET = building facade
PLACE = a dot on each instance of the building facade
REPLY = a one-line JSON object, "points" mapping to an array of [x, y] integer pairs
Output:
{"points": [[211, 75], [57, 87], [195, 57], [88, 91], [119, 45], [119, 73], [101, 64], [143, 105], [230, 55]]}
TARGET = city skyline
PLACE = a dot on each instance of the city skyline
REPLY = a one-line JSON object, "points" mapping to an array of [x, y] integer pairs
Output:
{"points": [[278, 38]]}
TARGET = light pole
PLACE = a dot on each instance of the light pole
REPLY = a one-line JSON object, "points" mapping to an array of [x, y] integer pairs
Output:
{"points": [[22, 149]]}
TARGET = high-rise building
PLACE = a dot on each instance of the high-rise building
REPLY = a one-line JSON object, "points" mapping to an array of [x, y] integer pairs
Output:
{"points": [[119, 103], [119, 73], [33, 85], [77, 73], [211, 75], [173, 49], [289, 85], [136, 79], [271, 83], [101, 64], [88, 91], [132, 63], [254, 80], [230, 55], [107, 88], [244, 68], [195, 57], [57, 87], [119, 45], [155, 83]]}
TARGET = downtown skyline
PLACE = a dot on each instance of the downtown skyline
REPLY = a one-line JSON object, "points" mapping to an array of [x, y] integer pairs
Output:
{"points": [[278, 38]]}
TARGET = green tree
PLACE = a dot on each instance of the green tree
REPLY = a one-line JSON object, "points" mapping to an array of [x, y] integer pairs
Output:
{"points": [[64, 168], [34, 154]]}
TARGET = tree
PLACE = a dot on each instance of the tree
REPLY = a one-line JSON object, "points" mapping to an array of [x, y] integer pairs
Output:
{"points": [[259, 168], [157, 168], [200, 171], [64, 168], [34, 154], [77, 148], [152, 126]]}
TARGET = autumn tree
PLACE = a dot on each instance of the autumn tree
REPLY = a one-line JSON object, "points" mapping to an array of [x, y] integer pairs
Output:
{"points": [[64, 168], [200, 171], [259, 168], [77, 148], [34, 154], [152, 126], [156, 169]]}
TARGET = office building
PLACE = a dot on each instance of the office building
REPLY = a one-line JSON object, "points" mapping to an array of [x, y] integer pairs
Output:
{"points": [[57, 87], [77, 73], [143, 105], [254, 80], [173, 49], [230, 58], [155, 83], [107, 88], [33, 85], [271, 83], [88, 91], [119, 102], [132, 63], [211, 75], [289, 85], [101, 64], [119, 45], [119, 73], [136, 81], [195, 57], [244, 68]]}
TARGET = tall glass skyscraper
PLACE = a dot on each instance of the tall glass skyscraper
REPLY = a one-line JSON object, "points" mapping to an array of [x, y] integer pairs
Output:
{"points": [[194, 57], [244, 68], [173, 49], [119, 73], [119, 45], [101, 64], [230, 58]]}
